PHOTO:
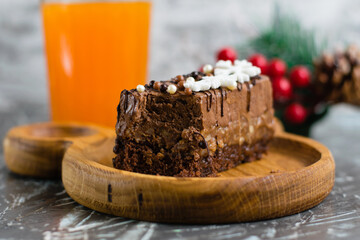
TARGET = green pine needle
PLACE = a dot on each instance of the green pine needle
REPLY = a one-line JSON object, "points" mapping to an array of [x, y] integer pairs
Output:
{"points": [[288, 40]]}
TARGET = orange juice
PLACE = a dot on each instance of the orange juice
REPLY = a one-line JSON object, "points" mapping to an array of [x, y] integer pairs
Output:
{"points": [[94, 51]]}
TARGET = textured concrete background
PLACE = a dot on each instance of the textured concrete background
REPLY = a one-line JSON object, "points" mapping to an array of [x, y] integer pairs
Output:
{"points": [[184, 34]]}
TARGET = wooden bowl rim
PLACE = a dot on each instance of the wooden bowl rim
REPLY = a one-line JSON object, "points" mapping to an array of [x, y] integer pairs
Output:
{"points": [[118, 192], [28, 131], [325, 158]]}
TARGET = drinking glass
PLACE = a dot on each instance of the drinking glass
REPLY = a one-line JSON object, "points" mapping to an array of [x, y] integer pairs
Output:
{"points": [[94, 50]]}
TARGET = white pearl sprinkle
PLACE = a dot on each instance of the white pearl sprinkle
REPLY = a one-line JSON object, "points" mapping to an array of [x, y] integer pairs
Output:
{"points": [[171, 89], [208, 68], [140, 88]]}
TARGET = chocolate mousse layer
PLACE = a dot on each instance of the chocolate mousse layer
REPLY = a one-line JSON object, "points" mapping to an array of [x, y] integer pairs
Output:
{"points": [[193, 134]]}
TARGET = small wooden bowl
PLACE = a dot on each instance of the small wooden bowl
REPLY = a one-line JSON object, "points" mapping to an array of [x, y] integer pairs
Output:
{"points": [[37, 150], [295, 175]]}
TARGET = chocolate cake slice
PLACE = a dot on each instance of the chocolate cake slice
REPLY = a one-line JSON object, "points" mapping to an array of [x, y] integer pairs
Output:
{"points": [[195, 125]]}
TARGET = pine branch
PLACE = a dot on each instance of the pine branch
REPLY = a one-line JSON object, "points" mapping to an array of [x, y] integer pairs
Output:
{"points": [[288, 40]]}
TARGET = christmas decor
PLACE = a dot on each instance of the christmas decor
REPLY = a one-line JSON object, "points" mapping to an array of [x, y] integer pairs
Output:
{"points": [[295, 101], [285, 39], [227, 53], [337, 76], [282, 89], [260, 61], [295, 113], [277, 68], [303, 89], [287, 45], [300, 76]]}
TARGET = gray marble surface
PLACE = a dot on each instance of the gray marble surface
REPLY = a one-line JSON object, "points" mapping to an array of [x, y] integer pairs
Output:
{"points": [[184, 35]]}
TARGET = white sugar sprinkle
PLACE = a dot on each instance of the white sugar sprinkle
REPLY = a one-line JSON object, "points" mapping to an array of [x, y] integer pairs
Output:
{"points": [[226, 75]]}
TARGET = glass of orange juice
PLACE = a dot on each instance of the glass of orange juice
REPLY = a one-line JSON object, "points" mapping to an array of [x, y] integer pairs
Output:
{"points": [[94, 49]]}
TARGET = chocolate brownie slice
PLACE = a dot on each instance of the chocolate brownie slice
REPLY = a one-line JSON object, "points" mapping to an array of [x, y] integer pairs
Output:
{"points": [[188, 128]]}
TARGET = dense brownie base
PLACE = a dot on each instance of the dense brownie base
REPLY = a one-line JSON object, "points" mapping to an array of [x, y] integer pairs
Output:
{"points": [[185, 166]]}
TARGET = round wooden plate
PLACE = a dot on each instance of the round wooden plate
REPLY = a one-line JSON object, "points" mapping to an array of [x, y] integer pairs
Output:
{"points": [[295, 175]]}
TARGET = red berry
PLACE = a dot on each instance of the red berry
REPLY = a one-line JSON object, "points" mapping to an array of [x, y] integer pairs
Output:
{"points": [[295, 113], [259, 61], [282, 89], [300, 76], [277, 68], [227, 53]]}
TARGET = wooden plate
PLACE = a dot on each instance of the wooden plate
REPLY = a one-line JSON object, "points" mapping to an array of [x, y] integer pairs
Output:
{"points": [[296, 174]]}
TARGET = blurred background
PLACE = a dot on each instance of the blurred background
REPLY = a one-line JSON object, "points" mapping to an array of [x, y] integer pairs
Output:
{"points": [[184, 35]]}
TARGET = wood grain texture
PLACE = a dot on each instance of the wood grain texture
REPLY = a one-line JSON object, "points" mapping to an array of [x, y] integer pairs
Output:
{"points": [[297, 174], [37, 150]]}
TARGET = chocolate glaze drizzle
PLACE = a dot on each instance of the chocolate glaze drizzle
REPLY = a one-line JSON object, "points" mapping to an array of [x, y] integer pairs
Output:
{"points": [[209, 94], [239, 87], [208, 100], [248, 96], [222, 102], [253, 79], [223, 97]]}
